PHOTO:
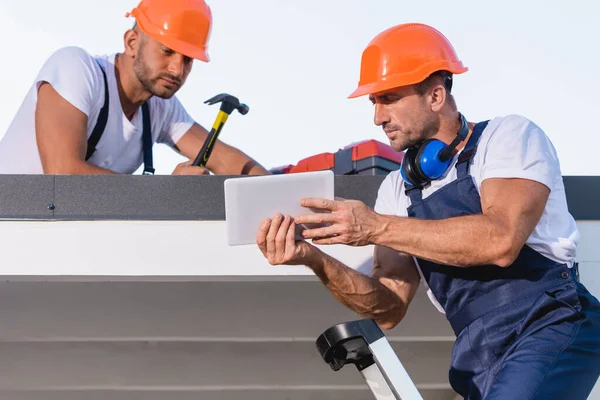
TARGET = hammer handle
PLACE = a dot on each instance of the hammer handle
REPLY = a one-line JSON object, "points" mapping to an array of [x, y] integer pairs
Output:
{"points": [[207, 148]]}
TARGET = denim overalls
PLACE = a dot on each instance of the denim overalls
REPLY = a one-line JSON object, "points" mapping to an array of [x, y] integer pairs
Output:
{"points": [[528, 331]]}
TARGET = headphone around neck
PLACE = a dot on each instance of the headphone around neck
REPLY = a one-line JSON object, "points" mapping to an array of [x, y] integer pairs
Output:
{"points": [[429, 160]]}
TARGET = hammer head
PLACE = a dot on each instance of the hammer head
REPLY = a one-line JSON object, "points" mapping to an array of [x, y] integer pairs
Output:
{"points": [[228, 103]]}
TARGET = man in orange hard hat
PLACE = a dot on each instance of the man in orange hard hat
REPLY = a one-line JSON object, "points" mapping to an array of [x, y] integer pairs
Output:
{"points": [[478, 211], [101, 115]]}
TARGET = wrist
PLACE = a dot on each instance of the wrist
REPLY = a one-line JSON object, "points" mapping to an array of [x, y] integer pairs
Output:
{"points": [[315, 259], [380, 229]]}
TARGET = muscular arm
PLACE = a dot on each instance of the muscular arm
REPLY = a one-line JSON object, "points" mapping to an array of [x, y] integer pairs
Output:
{"points": [[384, 296], [224, 160], [511, 210], [61, 135]]}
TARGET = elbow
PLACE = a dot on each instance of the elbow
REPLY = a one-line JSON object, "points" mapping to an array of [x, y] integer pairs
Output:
{"points": [[387, 324], [59, 170], [56, 171], [64, 166], [506, 253], [506, 261], [54, 167], [390, 321]]}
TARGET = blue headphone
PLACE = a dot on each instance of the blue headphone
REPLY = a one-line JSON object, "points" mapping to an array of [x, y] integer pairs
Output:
{"points": [[430, 160]]}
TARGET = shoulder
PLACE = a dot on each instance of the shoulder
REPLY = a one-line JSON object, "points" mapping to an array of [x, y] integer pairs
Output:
{"points": [[72, 67], [517, 137], [512, 127], [72, 57], [516, 147]]}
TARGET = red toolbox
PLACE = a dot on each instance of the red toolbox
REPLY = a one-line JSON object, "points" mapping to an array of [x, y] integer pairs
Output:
{"points": [[369, 157]]}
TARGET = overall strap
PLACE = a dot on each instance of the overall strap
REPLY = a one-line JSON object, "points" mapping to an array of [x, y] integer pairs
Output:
{"points": [[466, 156], [147, 140], [415, 193], [102, 119], [101, 125]]}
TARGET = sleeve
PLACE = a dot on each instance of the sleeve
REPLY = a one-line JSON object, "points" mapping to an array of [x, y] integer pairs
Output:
{"points": [[73, 73], [387, 200], [520, 149], [177, 122]]}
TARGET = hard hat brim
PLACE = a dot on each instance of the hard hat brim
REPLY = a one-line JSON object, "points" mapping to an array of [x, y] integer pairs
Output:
{"points": [[184, 48], [399, 80]]}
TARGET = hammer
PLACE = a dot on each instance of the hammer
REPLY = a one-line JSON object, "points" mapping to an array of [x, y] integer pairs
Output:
{"points": [[228, 104]]}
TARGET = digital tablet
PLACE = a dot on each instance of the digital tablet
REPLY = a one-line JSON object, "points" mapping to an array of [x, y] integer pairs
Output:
{"points": [[249, 200]]}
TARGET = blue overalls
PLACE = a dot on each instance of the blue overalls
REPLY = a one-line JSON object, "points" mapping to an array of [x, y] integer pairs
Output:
{"points": [[528, 331]]}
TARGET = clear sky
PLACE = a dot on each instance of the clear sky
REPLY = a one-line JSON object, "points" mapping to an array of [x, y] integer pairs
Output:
{"points": [[295, 62]]}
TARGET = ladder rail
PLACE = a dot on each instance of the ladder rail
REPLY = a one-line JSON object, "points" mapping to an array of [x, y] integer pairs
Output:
{"points": [[364, 344]]}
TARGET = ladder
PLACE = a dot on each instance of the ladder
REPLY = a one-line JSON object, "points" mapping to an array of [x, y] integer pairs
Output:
{"points": [[364, 344]]}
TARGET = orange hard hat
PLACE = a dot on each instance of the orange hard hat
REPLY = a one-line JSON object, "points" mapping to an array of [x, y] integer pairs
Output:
{"points": [[182, 25], [403, 55]]}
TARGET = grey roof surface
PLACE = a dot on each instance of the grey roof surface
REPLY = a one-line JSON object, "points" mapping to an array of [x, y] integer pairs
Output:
{"points": [[164, 197]]}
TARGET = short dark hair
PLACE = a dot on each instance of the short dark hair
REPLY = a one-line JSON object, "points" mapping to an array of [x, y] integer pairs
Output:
{"points": [[432, 79]]}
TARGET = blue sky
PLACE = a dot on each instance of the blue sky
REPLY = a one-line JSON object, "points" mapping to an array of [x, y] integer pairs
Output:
{"points": [[295, 62]]}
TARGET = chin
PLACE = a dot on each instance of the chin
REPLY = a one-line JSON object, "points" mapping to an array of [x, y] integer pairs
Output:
{"points": [[164, 93], [398, 146]]}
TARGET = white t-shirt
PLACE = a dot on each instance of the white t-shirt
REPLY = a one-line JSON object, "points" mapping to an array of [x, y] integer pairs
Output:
{"points": [[509, 147], [77, 77]]}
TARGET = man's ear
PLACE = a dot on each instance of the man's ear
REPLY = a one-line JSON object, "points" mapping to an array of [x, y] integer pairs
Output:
{"points": [[131, 41], [437, 97]]}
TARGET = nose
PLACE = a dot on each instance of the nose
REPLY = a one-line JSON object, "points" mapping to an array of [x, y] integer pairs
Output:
{"points": [[177, 65], [381, 116]]}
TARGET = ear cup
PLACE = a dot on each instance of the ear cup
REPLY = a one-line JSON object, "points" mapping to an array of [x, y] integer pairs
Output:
{"points": [[408, 166], [430, 160], [428, 164]]}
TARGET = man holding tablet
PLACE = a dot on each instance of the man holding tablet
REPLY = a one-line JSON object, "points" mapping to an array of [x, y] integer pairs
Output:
{"points": [[478, 211]]}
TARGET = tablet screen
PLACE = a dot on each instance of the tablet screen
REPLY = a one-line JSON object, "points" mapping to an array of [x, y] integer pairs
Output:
{"points": [[249, 200]]}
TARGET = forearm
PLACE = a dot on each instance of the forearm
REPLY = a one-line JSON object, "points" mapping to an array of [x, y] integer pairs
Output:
{"points": [[370, 297], [76, 168], [462, 241], [232, 161], [224, 159]]}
